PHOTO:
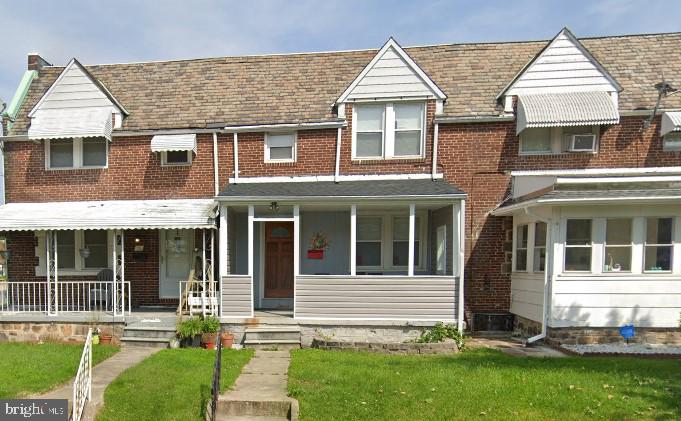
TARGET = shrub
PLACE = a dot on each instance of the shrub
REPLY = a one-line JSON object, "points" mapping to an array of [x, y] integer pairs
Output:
{"points": [[440, 332], [211, 325], [190, 328]]}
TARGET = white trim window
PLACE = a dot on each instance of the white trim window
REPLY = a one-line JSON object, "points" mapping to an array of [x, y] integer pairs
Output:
{"points": [[78, 152], [382, 242], [618, 245], [539, 247], [521, 247], [176, 158], [558, 140], [658, 247], [578, 245], [82, 251], [400, 241], [388, 131], [672, 141], [280, 147], [369, 248]]}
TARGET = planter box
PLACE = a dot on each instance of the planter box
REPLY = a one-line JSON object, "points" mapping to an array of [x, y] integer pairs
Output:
{"points": [[315, 254]]}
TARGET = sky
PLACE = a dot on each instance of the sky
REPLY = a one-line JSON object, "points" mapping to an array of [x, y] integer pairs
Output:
{"points": [[137, 30]]}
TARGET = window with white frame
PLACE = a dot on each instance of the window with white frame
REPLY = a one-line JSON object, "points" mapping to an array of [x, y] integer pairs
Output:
{"points": [[618, 245], [578, 244], [400, 240], [383, 242], [672, 141], [280, 147], [521, 247], [556, 140], [89, 152], [539, 247], [369, 247], [657, 254], [175, 158], [391, 130], [82, 250]]}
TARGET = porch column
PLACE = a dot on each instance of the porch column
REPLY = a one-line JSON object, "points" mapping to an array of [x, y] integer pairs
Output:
{"points": [[353, 240], [118, 295], [296, 252], [211, 274], [458, 255], [412, 225], [52, 266], [203, 272], [224, 252], [251, 215]]}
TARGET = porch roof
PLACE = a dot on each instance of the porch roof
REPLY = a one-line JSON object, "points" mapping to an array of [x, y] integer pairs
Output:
{"points": [[115, 214], [329, 190]]}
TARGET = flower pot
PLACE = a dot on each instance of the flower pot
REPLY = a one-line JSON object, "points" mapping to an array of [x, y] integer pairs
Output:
{"points": [[174, 343], [208, 340], [227, 340], [95, 339], [315, 254], [196, 341], [105, 339]]}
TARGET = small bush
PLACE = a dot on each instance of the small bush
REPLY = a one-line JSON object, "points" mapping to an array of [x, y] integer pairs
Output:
{"points": [[190, 328], [211, 325], [440, 332]]}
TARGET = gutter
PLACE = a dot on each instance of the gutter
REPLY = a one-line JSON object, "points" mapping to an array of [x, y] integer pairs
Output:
{"points": [[547, 270], [473, 119]]}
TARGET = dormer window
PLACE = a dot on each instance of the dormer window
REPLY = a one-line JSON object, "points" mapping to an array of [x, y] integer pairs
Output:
{"points": [[390, 130], [89, 152]]}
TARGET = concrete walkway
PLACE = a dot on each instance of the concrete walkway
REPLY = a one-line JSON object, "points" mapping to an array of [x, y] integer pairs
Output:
{"points": [[102, 374], [510, 346], [260, 392]]}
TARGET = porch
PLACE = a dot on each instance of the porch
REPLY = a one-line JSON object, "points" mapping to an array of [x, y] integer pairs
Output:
{"points": [[102, 259], [350, 257]]}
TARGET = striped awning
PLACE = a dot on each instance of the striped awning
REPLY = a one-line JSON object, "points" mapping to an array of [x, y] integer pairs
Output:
{"points": [[566, 109], [173, 142], [114, 214], [671, 122], [71, 122]]}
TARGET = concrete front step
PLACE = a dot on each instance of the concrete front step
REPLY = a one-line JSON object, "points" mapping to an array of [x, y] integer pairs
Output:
{"points": [[269, 344], [273, 333], [129, 341], [254, 418], [148, 332], [258, 408]]}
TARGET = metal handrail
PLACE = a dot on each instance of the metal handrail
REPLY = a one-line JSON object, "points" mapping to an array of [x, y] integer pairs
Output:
{"points": [[217, 373], [82, 385]]}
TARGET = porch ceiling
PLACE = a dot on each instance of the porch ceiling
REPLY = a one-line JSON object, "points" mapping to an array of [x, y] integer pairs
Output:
{"points": [[117, 214], [328, 190]]}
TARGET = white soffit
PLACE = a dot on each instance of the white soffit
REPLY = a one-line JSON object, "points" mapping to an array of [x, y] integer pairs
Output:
{"points": [[565, 109], [671, 122], [173, 142], [116, 214], [71, 122]]}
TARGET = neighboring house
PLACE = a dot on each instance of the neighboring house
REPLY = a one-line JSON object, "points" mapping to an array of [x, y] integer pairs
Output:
{"points": [[357, 188]]}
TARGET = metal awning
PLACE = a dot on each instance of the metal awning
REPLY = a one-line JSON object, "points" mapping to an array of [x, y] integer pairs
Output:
{"points": [[115, 214], [671, 122], [173, 142], [71, 122], [566, 109]]}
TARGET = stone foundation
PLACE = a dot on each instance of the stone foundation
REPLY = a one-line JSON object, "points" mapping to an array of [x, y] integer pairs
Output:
{"points": [[53, 331], [387, 348], [525, 327], [607, 335]]}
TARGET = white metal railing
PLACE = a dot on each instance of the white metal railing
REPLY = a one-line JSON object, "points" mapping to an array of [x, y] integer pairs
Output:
{"points": [[72, 297], [197, 302], [82, 385]]}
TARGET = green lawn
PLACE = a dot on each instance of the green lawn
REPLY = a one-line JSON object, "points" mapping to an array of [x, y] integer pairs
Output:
{"points": [[27, 369], [173, 384], [482, 383]]}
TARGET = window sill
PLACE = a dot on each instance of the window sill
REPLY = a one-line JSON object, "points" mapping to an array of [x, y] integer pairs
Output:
{"points": [[384, 160], [176, 165], [76, 168], [530, 154], [280, 163]]}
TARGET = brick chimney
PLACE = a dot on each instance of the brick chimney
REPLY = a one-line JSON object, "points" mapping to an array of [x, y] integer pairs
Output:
{"points": [[35, 62]]}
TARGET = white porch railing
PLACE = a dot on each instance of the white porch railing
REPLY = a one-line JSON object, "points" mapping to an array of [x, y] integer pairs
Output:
{"points": [[82, 385], [72, 297], [198, 301]]}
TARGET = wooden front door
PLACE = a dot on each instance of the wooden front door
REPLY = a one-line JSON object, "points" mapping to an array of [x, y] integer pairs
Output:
{"points": [[279, 260]]}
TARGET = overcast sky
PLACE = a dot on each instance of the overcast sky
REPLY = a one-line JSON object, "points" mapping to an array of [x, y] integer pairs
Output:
{"points": [[138, 30]]}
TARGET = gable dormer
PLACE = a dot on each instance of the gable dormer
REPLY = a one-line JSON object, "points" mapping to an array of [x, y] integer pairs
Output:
{"points": [[77, 105], [391, 75]]}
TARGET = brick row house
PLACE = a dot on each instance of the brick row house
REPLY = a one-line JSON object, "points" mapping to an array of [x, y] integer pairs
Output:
{"points": [[530, 186]]}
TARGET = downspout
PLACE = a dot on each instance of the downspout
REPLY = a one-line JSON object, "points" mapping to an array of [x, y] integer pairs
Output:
{"points": [[436, 135], [215, 164], [547, 270], [2, 157], [336, 174], [236, 158]]}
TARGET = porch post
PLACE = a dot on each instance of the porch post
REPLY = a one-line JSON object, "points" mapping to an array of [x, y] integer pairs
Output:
{"points": [[458, 257], [412, 225], [211, 274], [353, 240], [251, 214], [203, 272], [52, 266], [296, 252], [115, 269], [118, 296], [224, 252]]}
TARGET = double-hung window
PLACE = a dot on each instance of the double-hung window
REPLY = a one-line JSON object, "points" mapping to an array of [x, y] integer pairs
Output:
{"points": [[82, 250], [617, 245], [578, 245], [280, 147], [521, 248], [369, 241], [658, 246], [401, 241], [539, 255], [392, 130], [89, 152]]}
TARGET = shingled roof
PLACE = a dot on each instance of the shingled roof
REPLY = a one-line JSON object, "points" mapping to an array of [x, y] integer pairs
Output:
{"points": [[298, 88]]}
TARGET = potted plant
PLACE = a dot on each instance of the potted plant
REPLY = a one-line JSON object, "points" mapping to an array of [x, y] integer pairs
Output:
{"points": [[95, 335], [105, 338], [227, 339], [189, 330], [318, 243], [211, 327]]}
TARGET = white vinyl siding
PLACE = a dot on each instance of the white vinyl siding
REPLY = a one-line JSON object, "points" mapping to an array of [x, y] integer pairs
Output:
{"points": [[90, 152], [280, 147], [387, 131]]}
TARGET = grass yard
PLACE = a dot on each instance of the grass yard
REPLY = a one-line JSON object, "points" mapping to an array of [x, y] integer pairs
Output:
{"points": [[482, 383], [173, 384], [27, 369]]}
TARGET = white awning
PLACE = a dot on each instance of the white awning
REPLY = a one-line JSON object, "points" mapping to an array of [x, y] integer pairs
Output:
{"points": [[671, 122], [115, 214], [71, 122], [173, 142], [566, 109]]}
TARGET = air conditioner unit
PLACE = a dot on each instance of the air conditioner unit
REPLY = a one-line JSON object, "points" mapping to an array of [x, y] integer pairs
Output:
{"points": [[582, 142]]}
